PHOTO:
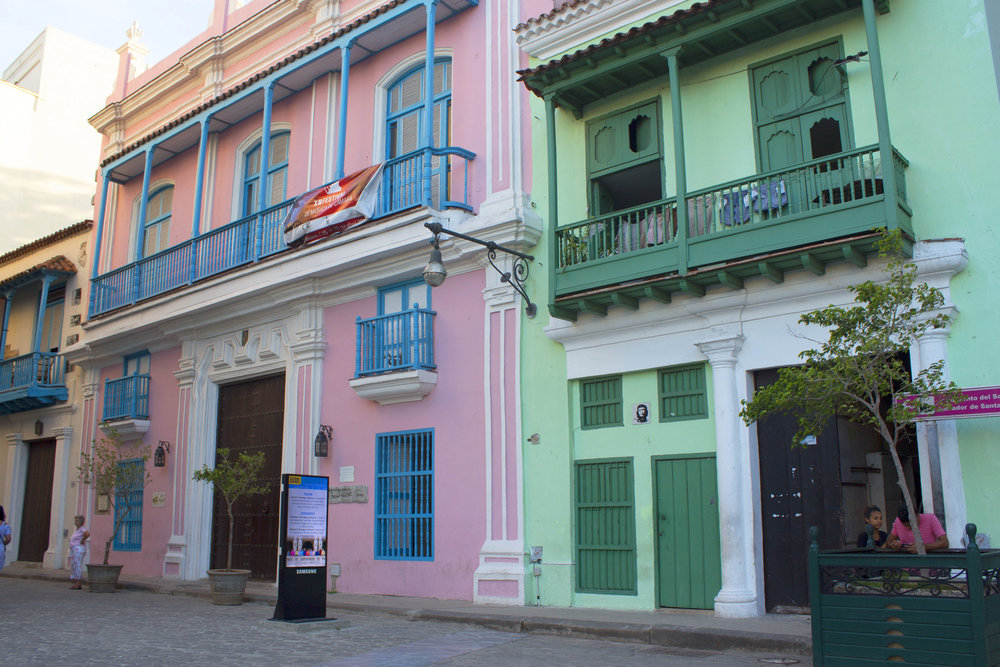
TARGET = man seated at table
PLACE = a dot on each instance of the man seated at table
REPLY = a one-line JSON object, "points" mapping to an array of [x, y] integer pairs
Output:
{"points": [[901, 537]]}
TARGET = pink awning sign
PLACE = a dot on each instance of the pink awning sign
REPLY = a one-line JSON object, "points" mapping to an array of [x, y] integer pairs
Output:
{"points": [[978, 402]]}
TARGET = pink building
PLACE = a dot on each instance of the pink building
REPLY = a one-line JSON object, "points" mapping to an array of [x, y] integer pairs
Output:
{"points": [[204, 330]]}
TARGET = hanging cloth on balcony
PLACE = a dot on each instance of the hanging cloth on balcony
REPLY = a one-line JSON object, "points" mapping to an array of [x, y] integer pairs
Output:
{"points": [[333, 208]]}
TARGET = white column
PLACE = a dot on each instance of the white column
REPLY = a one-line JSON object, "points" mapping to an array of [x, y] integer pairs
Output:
{"points": [[55, 558], [17, 468], [940, 466], [738, 597]]}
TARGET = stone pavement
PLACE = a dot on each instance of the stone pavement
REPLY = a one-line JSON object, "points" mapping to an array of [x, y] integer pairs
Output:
{"points": [[665, 628]]}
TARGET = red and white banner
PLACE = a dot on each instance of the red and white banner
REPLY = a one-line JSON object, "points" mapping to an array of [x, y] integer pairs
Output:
{"points": [[334, 208]]}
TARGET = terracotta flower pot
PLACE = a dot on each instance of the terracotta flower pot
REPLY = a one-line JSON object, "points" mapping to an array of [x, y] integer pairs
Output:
{"points": [[228, 586]]}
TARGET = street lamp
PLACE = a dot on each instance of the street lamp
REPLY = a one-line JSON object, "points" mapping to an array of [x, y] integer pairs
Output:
{"points": [[321, 446], [434, 273]]}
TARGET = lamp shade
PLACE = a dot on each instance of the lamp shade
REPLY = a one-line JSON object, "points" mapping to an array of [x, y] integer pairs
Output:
{"points": [[434, 273]]}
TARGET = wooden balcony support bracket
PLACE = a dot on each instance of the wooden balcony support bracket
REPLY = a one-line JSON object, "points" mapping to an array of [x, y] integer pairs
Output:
{"points": [[562, 313], [855, 256], [657, 294], [594, 307], [620, 299], [771, 272], [688, 287], [730, 280], [811, 263]]}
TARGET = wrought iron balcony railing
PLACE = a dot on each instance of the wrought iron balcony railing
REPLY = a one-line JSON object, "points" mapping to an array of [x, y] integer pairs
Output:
{"points": [[398, 342], [126, 398]]}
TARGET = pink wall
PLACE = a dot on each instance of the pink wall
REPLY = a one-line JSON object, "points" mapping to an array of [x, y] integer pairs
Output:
{"points": [[156, 521], [454, 409]]}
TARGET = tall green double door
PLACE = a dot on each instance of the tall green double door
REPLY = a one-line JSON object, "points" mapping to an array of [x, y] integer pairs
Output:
{"points": [[686, 519]]}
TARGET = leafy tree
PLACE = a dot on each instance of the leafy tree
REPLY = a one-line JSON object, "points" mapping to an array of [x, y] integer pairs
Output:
{"points": [[102, 469], [233, 479], [858, 371]]}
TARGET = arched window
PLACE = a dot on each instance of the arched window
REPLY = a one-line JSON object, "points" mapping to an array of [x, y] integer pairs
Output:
{"points": [[156, 226], [405, 128], [277, 174]]}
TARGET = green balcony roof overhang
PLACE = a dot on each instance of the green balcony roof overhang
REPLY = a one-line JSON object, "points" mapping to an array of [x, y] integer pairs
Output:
{"points": [[704, 31]]}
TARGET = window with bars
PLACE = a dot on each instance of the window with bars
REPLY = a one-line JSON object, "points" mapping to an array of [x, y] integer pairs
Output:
{"points": [[601, 402], [404, 495], [605, 527], [682, 393], [129, 536]]}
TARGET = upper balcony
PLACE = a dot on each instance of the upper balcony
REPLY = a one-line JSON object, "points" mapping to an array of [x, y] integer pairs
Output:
{"points": [[32, 381], [259, 236]]}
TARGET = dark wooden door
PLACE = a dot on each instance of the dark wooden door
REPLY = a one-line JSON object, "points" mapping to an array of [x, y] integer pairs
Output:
{"points": [[34, 539], [799, 488], [251, 418]]}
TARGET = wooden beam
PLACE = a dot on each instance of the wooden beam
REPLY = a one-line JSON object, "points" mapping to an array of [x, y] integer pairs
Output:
{"points": [[771, 272], [737, 36], [625, 300], [730, 280], [854, 256], [691, 288], [680, 29], [593, 307], [813, 264], [657, 294], [562, 313], [769, 24]]}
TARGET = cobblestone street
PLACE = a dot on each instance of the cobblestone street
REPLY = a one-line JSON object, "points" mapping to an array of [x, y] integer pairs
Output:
{"points": [[45, 623]]}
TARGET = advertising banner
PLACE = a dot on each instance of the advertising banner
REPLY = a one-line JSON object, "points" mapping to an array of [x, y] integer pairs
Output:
{"points": [[334, 208]]}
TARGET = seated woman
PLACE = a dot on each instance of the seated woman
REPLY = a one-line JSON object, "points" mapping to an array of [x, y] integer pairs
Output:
{"points": [[901, 537]]}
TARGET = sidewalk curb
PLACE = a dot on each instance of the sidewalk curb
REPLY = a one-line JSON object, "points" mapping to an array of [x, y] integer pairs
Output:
{"points": [[641, 633]]}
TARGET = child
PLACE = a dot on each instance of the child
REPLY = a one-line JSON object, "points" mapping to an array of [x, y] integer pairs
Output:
{"points": [[873, 518]]}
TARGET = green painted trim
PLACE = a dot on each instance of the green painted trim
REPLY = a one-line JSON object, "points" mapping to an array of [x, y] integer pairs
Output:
{"points": [[881, 116], [680, 167], [661, 395], [614, 401]]}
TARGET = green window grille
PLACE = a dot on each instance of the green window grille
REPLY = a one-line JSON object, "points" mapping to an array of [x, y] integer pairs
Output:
{"points": [[605, 527], [682, 393], [601, 402]]}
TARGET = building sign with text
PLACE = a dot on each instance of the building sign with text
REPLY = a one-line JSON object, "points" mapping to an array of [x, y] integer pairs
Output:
{"points": [[978, 402], [306, 529]]}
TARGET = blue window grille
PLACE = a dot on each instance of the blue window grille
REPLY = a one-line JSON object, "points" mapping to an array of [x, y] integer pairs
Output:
{"points": [[277, 173], [404, 495], [405, 136], [130, 505], [128, 396], [156, 226]]}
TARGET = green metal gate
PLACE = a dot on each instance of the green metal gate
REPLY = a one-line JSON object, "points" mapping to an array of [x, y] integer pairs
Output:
{"points": [[689, 567]]}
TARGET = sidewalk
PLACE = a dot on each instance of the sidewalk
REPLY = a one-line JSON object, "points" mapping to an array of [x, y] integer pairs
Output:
{"points": [[685, 629]]}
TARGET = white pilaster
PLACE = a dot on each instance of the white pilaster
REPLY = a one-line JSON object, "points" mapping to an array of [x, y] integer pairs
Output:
{"points": [[738, 597], [54, 558]]}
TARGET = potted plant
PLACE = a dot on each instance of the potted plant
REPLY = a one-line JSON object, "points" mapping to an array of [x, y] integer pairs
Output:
{"points": [[116, 469], [233, 479], [865, 603]]}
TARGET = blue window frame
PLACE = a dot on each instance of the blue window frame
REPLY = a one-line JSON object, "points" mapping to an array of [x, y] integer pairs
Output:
{"points": [[277, 173], [130, 535], [405, 132], [403, 296], [156, 226], [404, 495], [128, 396]]}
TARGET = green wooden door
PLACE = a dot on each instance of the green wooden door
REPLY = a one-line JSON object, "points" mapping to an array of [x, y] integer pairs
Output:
{"points": [[689, 566], [605, 527]]}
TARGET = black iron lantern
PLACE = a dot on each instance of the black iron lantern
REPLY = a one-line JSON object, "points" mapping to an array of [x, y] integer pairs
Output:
{"points": [[321, 448], [160, 455]]}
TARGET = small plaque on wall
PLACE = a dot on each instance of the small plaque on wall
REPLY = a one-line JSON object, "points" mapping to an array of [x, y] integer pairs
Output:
{"points": [[103, 505], [160, 499], [355, 493]]}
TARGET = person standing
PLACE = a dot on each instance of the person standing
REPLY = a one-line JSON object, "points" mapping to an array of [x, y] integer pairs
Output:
{"points": [[77, 551], [5, 536]]}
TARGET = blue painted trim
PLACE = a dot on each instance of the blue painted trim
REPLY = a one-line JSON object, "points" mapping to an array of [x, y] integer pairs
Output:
{"points": [[40, 315], [147, 172], [96, 254], [157, 221], [133, 356], [345, 75], [199, 186], [129, 536], [404, 286], [265, 159], [429, 101], [7, 298], [405, 539]]}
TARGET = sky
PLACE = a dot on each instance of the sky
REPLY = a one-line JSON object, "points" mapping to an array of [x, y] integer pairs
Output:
{"points": [[165, 24]]}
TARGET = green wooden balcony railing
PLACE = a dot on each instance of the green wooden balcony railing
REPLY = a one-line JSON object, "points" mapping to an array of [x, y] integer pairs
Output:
{"points": [[815, 201]]}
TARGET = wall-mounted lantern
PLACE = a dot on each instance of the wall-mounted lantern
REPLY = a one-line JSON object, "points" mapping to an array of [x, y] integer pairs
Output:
{"points": [[321, 448], [160, 455]]}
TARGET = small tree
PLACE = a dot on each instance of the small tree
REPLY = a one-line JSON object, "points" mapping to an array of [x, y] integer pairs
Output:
{"points": [[858, 371], [105, 468], [233, 479]]}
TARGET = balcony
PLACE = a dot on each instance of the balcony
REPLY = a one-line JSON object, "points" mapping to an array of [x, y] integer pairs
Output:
{"points": [[259, 236], [32, 381], [394, 356], [763, 225], [126, 406]]}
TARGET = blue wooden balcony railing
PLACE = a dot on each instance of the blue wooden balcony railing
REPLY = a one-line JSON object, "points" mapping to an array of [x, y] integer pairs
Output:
{"points": [[260, 235], [126, 398], [398, 342], [31, 381], [815, 201]]}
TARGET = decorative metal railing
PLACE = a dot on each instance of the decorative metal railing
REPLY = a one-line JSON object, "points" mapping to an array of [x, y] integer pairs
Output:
{"points": [[397, 342], [42, 369], [842, 180], [260, 235], [126, 398]]}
